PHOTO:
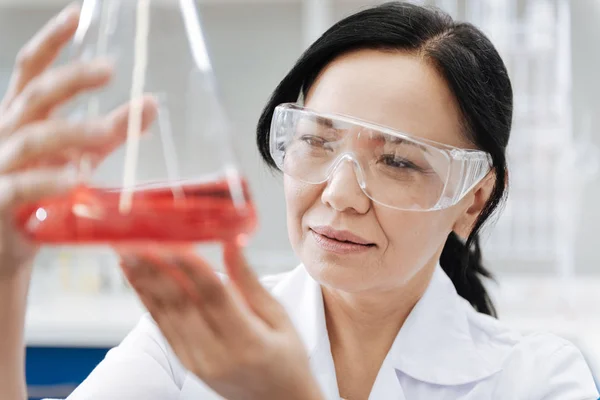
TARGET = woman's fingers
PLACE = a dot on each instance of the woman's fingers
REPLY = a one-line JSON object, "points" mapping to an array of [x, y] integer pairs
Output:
{"points": [[169, 286], [248, 284], [54, 141], [205, 281], [41, 51], [176, 314], [223, 309], [214, 300], [119, 118], [47, 139], [196, 344], [33, 185], [52, 89], [118, 122]]}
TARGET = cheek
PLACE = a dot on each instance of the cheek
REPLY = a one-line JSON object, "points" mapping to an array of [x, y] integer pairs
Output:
{"points": [[299, 198], [414, 238]]}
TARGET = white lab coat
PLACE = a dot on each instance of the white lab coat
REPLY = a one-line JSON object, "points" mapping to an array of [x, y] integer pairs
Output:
{"points": [[445, 350]]}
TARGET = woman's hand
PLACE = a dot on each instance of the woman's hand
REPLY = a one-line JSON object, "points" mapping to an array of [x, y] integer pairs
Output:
{"points": [[38, 150], [232, 334]]}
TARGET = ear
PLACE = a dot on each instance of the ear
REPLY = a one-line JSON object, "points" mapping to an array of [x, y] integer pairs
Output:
{"points": [[473, 204]]}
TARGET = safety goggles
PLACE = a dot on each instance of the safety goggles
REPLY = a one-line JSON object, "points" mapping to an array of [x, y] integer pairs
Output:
{"points": [[392, 168]]}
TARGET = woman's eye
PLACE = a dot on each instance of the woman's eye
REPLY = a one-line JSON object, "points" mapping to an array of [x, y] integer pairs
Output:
{"points": [[314, 141], [398, 162]]}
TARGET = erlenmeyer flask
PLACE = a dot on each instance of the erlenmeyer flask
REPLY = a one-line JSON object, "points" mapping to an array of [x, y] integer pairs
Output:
{"points": [[174, 180]]}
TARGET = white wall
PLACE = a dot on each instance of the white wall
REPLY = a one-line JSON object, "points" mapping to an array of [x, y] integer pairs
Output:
{"points": [[586, 90]]}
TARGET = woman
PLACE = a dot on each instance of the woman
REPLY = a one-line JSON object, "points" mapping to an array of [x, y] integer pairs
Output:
{"points": [[392, 162]]}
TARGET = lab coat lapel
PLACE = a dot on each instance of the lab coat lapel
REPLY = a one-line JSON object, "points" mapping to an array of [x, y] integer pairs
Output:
{"points": [[323, 369], [301, 296], [436, 344], [387, 385], [303, 300]]}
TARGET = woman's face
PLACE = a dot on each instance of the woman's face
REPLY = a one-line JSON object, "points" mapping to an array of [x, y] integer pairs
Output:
{"points": [[401, 91]]}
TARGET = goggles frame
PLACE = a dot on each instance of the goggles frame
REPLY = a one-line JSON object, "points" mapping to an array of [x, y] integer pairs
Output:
{"points": [[473, 165]]}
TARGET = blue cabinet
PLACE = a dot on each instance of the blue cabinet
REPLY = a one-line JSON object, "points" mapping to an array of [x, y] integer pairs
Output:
{"points": [[53, 372]]}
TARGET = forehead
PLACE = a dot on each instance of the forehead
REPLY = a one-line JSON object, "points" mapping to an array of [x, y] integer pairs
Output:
{"points": [[395, 89]]}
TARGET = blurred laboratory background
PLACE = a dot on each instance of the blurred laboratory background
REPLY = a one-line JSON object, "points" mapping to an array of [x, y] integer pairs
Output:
{"points": [[544, 249]]}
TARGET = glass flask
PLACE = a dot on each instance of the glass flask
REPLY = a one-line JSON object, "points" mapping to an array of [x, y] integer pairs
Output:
{"points": [[175, 177]]}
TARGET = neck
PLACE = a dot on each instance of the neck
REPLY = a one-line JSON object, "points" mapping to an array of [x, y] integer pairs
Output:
{"points": [[370, 316], [362, 328]]}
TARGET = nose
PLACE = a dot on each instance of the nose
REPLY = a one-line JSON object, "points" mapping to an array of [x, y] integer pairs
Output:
{"points": [[343, 192]]}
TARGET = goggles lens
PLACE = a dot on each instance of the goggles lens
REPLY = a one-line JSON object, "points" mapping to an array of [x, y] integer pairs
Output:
{"points": [[392, 168]]}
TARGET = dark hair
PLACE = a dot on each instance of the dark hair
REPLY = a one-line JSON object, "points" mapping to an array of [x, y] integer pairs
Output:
{"points": [[473, 70]]}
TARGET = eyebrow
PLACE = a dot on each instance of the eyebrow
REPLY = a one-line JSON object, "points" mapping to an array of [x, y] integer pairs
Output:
{"points": [[328, 123], [398, 140], [324, 122]]}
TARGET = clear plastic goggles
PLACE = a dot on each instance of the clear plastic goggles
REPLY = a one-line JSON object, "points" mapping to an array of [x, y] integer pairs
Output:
{"points": [[392, 168]]}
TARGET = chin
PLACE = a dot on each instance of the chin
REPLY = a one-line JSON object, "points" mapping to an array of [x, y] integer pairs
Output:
{"points": [[340, 275]]}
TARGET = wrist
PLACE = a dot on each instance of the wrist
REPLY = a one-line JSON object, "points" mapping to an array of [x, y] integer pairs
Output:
{"points": [[13, 303], [16, 277], [14, 288]]}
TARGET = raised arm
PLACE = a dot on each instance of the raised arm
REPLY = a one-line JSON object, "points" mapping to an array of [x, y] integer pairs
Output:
{"points": [[36, 152], [13, 293], [23, 108]]}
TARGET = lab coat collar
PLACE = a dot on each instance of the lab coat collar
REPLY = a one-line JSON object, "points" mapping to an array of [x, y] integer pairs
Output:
{"points": [[435, 344]]}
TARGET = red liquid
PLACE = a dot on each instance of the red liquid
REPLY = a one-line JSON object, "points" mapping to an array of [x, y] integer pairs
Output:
{"points": [[203, 212]]}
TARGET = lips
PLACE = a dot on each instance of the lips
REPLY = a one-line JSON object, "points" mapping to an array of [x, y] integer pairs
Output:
{"points": [[341, 236]]}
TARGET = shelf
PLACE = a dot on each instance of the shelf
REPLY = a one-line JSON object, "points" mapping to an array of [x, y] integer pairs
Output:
{"points": [[81, 320]]}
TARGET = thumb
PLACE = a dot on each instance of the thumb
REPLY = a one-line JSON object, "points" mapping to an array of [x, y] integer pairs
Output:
{"points": [[246, 281]]}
